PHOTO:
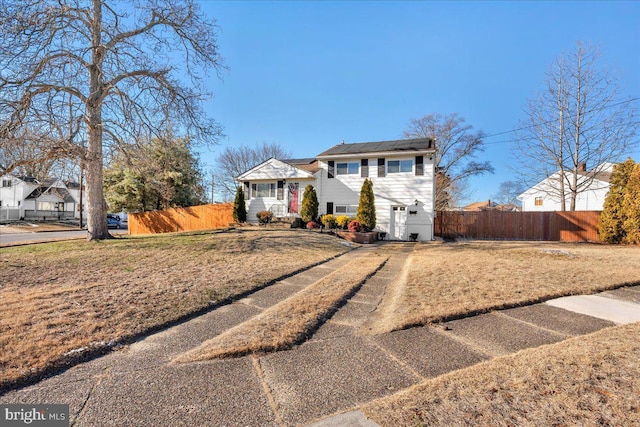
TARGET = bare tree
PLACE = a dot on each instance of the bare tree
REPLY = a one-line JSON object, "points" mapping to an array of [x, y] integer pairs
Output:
{"points": [[234, 161], [575, 127], [456, 147], [96, 74], [508, 192]]}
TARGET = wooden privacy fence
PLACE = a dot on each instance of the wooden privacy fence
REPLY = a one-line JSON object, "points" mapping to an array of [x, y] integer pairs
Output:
{"points": [[576, 226], [203, 217]]}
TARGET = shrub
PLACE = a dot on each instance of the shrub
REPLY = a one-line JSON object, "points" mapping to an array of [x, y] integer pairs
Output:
{"points": [[329, 221], [309, 210], [611, 227], [239, 207], [631, 206], [264, 217], [312, 224], [298, 223], [355, 226], [342, 221], [366, 207]]}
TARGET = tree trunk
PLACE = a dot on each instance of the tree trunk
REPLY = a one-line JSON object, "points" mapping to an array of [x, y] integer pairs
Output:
{"points": [[96, 213]]}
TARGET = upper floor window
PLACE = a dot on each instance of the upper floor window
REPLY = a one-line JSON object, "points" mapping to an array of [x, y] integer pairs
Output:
{"points": [[351, 168], [538, 201], [398, 166], [6, 183], [266, 190]]}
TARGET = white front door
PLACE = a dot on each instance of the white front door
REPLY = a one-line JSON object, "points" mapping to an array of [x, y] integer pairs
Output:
{"points": [[398, 223]]}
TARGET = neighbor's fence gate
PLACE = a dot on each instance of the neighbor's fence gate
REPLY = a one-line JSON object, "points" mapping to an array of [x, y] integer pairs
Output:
{"points": [[203, 217], [575, 226], [9, 214]]}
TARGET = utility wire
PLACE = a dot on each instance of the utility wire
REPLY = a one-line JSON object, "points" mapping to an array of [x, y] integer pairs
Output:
{"points": [[551, 121]]}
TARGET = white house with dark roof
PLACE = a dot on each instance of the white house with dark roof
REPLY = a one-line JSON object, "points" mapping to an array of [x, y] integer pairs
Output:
{"points": [[27, 198], [402, 173], [593, 185]]}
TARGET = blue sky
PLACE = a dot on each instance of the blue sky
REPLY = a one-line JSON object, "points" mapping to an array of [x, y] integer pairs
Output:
{"points": [[308, 75]]}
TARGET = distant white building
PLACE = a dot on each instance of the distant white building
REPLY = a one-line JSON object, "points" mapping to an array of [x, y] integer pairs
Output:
{"points": [[402, 173], [27, 198], [545, 196]]}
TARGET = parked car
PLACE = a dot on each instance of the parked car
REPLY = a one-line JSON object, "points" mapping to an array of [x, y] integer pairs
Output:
{"points": [[113, 221]]}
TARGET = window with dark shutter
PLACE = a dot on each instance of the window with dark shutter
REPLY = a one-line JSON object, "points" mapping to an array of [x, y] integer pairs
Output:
{"points": [[280, 190], [419, 166], [332, 165], [247, 193], [364, 168], [381, 171], [329, 208]]}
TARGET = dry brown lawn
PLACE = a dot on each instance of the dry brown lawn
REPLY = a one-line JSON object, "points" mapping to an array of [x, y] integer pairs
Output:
{"points": [[60, 300], [446, 281], [592, 380], [290, 321]]}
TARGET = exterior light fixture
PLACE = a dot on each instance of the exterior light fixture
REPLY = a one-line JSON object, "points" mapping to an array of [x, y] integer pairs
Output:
{"points": [[416, 202]]}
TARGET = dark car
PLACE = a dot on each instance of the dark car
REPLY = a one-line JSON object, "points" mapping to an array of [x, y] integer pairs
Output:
{"points": [[113, 221]]}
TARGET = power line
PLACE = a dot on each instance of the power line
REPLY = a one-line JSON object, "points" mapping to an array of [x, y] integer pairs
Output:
{"points": [[551, 121]]}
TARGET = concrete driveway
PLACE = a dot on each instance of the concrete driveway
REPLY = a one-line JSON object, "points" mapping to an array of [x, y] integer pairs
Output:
{"points": [[323, 380]]}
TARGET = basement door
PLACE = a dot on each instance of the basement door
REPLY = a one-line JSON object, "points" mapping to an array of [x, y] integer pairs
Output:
{"points": [[398, 225]]}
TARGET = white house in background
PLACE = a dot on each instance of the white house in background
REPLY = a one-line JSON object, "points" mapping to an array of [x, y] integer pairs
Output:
{"points": [[402, 173], [544, 196], [27, 198]]}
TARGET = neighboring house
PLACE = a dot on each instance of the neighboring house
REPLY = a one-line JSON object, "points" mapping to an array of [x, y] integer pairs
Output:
{"points": [[489, 205], [480, 206], [544, 196], [402, 173], [27, 198]]}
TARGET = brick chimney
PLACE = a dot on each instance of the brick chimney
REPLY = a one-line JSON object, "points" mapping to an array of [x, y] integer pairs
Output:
{"points": [[582, 167]]}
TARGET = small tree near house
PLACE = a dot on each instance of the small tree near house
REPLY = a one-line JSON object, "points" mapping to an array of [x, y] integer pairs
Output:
{"points": [[611, 227], [309, 210], [631, 205], [366, 215], [239, 207]]}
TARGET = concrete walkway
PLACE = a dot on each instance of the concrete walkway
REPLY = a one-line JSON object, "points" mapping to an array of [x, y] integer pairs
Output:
{"points": [[321, 382]]}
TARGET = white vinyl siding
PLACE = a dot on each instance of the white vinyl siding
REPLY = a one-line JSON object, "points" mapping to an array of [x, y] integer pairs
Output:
{"points": [[394, 189]]}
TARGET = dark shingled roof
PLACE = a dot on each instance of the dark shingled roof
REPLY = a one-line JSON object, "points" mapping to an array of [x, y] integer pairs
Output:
{"points": [[402, 145], [61, 193], [309, 164], [294, 162]]}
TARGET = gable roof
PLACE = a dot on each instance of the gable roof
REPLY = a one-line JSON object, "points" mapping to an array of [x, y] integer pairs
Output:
{"points": [[416, 145], [58, 192], [274, 169]]}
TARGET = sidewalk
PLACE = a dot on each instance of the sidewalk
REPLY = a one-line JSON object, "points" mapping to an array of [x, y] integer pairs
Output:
{"points": [[334, 372]]}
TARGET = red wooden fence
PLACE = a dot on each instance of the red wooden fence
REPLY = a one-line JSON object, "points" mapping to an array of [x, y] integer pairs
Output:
{"points": [[576, 226], [203, 217]]}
